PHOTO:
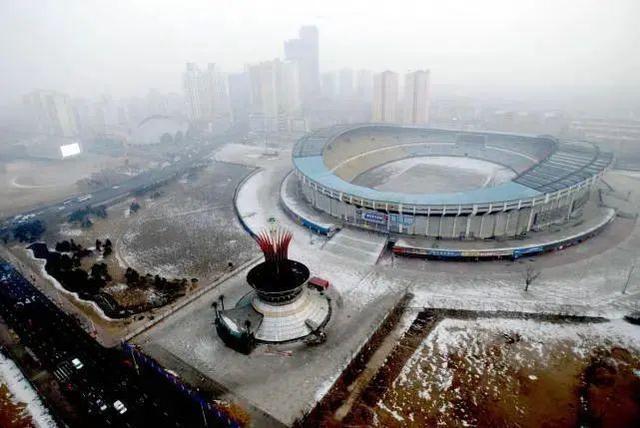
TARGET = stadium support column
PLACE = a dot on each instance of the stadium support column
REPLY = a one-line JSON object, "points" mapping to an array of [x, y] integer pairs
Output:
{"points": [[571, 199], [414, 230], [426, 232], [482, 220], [531, 214], [455, 221], [444, 210], [497, 219], [469, 217], [506, 225]]}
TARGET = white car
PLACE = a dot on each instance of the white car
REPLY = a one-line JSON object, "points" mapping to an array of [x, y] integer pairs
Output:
{"points": [[120, 407], [77, 363]]}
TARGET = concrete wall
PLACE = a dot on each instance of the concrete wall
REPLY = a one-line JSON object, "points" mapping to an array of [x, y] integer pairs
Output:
{"points": [[498, 223]]}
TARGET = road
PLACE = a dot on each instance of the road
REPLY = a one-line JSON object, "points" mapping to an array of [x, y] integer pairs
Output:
{"points": [[94, 379], [111, 194]]}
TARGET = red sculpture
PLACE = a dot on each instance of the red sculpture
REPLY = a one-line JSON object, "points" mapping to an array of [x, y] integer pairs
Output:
{"points": [[274, 245]]}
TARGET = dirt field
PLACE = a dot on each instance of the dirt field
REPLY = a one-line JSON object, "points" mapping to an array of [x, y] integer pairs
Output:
{"points": [[497, 372]]}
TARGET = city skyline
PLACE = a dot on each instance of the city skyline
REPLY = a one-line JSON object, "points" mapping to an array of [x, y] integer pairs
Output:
{"points": [[549, 50]]}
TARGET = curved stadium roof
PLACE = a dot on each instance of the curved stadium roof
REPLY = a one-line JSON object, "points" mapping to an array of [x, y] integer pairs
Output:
{"points": [[568, 164]]}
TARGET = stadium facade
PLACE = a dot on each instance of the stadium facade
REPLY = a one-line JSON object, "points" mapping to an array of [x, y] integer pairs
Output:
{"points": [[552, 180]]}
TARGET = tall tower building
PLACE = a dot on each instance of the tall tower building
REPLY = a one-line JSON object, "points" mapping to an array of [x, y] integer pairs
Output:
{"points": [[345, 83], [240, 96], [264, 99], [52, 113], [364, 85], [416, 97], [191, 85], [275, 93], [385, 97], [305, 51], [288, 79], [206, 93], [329, 84]]}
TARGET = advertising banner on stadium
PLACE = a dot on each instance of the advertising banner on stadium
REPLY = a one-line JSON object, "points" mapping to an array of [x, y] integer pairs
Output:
{"points": [[403, 219], [374, 217], [443, 253], [486, 253], [383, 218]]}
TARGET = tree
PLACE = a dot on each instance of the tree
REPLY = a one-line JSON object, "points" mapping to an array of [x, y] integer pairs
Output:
{"points": [[134, 207], [65, 262], [530, 274], [98, 245], [132, 276], [63, 247], [29, 231], [76, 261], [107, 252], [100, 273], [166, 138], [100, 211], [107, 243]]}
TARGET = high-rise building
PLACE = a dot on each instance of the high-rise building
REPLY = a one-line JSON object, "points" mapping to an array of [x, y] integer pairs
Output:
{"points": [[305, 51], [288, 79], [385, 97], [329, 85], [345, 83], [206, 93], [240, 96], [275, 94], [364, 85], [264, 98], [416, 97], [52, 113], [191, 85]]}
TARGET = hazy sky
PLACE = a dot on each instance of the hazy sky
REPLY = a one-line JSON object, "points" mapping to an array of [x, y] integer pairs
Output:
{"points": [[88, 47]]}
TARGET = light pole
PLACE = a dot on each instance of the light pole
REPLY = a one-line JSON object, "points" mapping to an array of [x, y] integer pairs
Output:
{"points": [[626, 284]]}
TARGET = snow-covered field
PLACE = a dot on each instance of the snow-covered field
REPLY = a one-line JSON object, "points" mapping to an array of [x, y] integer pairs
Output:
{"points": [[22, 392], [190, 230], [502, 371], [434, 174], [588, 282]]}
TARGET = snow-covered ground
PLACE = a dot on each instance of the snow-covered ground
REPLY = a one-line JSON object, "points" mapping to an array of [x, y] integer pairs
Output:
{"points": [[464, 365], [190, 232], [588, 281], [435, 174], [22, 391]]}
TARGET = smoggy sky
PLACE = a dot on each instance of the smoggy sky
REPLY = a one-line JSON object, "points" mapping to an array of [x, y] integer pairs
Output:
{"points": [[89, 47]]}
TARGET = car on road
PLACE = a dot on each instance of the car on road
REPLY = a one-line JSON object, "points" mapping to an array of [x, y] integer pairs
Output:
{"points": [[120, 407], [77, 363]]}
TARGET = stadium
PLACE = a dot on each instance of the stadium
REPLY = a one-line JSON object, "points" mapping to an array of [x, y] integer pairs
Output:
{"points": [[445, 184]]}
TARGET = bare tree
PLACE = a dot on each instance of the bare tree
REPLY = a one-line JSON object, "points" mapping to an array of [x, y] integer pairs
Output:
{"points": [[530, 274]]}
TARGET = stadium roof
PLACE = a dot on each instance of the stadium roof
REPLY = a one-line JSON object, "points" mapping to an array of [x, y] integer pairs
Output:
{"points": [[568, 165]]}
